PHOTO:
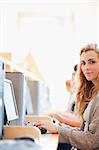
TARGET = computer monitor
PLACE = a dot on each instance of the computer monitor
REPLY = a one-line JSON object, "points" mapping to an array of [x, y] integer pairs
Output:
{"points": [[19, 84], [9, 101], [39, 97]]}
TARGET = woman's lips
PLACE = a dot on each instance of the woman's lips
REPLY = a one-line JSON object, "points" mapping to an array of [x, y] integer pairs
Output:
{"points": [[88, 74]]}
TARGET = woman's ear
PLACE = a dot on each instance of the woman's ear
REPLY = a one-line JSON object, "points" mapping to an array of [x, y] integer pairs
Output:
{"points": [[68, 85]]}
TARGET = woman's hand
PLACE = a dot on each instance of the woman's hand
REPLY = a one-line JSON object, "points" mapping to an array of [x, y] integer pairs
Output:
{"points": [[47, 125]]}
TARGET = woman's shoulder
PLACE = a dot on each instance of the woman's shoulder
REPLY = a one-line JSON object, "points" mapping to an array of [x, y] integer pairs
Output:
{"points": [[95, 104], [96, 100], [91, 108]]}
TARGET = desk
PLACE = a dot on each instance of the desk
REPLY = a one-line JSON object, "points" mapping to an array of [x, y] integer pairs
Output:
{"points": [[49, 141]]}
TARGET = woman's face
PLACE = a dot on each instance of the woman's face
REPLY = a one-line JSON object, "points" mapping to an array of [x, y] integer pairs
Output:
{"points": [[90, 65]]}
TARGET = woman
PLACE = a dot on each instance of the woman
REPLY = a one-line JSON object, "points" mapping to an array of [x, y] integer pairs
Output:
{"points": [[87, 104]]}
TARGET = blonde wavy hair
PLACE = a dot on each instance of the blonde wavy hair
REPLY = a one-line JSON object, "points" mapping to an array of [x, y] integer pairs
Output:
{"points": [[87, 90]]}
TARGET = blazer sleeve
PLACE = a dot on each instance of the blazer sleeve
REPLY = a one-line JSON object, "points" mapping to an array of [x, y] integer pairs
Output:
{"points": [[85, 140]]}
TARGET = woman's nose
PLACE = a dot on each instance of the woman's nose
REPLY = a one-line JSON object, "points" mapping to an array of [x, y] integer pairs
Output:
{"points": [[87, 66]]}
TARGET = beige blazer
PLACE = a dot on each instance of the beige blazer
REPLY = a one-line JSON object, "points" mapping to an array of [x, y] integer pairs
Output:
{"points": [[89, 138]]}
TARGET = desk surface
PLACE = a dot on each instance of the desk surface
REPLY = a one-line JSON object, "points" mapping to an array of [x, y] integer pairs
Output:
{"points": [[49, 141]]}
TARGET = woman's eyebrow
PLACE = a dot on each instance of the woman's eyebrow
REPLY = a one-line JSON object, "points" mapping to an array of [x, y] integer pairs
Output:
{"points": [[90, 59]]}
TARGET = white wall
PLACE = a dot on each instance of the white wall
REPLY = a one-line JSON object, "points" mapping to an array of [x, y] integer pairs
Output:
{"points": [[53, 32]]}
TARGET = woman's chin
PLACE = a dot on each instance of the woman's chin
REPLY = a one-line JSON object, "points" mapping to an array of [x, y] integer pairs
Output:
{"points": [[89, 78]]}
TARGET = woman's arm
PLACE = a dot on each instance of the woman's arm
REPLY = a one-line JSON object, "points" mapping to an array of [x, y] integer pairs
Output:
{"points": [[87, 139], [69, 119]]}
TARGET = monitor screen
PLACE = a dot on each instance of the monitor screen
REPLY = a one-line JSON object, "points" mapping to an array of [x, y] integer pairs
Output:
{"points": [[9, 101]]}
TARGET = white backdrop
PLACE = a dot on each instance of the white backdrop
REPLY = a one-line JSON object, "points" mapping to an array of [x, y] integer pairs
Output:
{"points": [[53, 33]]}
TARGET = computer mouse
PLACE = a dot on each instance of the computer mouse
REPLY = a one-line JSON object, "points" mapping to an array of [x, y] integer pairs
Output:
{"points": [[43, 130], [54, 121]]}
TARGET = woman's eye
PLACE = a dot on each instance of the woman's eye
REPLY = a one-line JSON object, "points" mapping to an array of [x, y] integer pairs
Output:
{"points": [[92, 62], [83, 63]]}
